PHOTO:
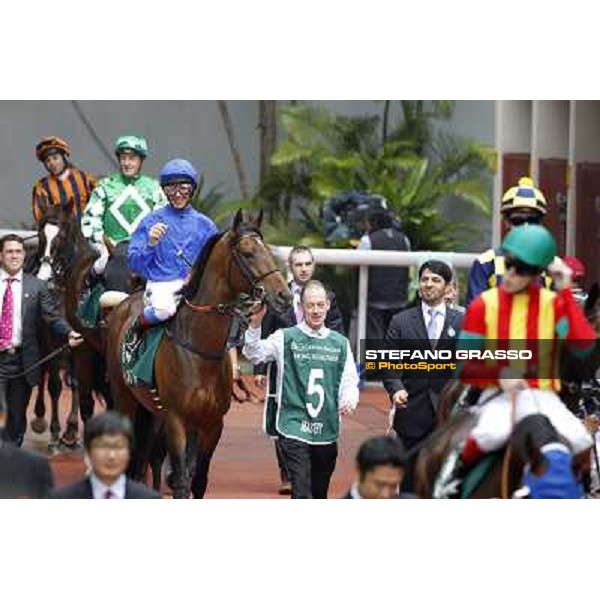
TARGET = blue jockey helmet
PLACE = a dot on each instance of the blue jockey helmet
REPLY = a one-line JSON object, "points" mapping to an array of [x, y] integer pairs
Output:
{"points": [[176, 170]]}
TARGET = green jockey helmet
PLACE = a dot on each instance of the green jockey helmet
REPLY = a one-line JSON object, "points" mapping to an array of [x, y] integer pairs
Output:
{"points": [[531, 244], [135, 143]]}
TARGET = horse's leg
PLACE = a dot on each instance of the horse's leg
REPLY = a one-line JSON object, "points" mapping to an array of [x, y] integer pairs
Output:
{"points": [[83, 360], [70, 437], [100, 381], [54, 389], [157, 458], [208, 443], [176, 443], [39, 424], [144, 440]]}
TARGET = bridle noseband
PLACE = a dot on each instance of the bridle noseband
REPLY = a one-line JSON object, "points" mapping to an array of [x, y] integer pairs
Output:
{"points": [[241, 307], [257, 291]]}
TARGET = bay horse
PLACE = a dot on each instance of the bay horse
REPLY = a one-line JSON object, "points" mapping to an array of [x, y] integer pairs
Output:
{"points": [[39, 264], [192, 364], [71, 259]]}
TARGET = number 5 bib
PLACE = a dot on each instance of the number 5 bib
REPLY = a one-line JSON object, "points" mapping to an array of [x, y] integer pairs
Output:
{"points": [[312, 371]]}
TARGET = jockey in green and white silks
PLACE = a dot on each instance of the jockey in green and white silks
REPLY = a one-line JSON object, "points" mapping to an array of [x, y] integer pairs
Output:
{"points": [[119, 202]]}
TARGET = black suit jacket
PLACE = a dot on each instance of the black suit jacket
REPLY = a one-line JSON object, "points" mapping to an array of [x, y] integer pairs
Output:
{"points": [[82, 490], [272, 322], [24, 474], [38, 304], [417, 420], [402, 496]]}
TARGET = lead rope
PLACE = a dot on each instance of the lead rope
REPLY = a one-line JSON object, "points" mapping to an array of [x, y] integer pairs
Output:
{"points": [[40, 362]]}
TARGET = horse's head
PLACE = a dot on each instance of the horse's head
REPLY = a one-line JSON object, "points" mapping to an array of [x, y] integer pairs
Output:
{"points": [[48, 228], [253, 269], [67, 242]]}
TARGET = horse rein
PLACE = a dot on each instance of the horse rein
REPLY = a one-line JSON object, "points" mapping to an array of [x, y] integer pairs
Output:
{"points": [[38, 363], [239, 308], [257, 292]]}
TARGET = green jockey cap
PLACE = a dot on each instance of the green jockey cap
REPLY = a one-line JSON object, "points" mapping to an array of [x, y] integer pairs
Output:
{"points": [[135, 143], [531, 244]]}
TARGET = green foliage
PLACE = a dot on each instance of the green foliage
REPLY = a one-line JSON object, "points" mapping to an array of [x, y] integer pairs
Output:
{"points": [[214, 205], [415, 169]]}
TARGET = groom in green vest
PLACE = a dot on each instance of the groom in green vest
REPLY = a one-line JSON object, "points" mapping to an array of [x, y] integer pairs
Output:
{"points": [[317, 383]]}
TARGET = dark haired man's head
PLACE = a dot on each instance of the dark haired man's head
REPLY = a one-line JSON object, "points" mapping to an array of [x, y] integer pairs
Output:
{"points": [[435, 277], [11, 237], [439, 267], [378, 218], [107, 423], [12, 253], [302, 264], [380, 463], [108, 438]]}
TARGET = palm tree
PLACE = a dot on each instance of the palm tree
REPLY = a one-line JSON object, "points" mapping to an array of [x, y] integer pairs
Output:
{"points": [[323, 155]]}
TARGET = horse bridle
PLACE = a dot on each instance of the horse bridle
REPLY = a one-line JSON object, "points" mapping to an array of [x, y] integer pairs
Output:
{"points": [[236, 308], [257, 291]]}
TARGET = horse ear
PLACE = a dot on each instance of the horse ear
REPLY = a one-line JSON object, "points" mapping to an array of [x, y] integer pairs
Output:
{"points": [[258, 219], [239, 217], [109, 245], [68, 207]]}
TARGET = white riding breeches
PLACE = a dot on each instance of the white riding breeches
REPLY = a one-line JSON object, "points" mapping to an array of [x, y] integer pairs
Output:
{"points": [[495, 421], [163, 297]]}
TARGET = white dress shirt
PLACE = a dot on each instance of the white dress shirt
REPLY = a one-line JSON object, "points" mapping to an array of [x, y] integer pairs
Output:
{"points": [[271, 349], [440, 317], [117, 488], [17, 291]]}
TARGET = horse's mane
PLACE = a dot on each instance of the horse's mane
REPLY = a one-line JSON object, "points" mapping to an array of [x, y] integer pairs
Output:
{"points": [[72, 245], [198, 269]]}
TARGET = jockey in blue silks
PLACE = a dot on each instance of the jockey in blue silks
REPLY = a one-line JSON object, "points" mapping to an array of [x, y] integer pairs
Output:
{"points": [[166, 244]]}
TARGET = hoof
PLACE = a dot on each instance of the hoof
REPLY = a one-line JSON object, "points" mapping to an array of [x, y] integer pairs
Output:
{"points": [[285, 489], [39, 425], [239, 392], [70, 440]]}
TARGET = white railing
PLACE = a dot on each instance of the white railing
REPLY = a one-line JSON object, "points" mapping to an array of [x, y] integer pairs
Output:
{"points": [[27, 234], [350, 258], [380, 258]]}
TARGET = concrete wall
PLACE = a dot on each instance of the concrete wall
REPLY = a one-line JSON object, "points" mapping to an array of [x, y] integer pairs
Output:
{"points": [[173, 128]]}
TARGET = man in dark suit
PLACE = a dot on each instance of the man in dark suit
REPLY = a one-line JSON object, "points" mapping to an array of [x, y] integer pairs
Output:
{"points": [[24, 302], [302, 266], [431, 325], [108, 438], [380, 466], [23, 474]]}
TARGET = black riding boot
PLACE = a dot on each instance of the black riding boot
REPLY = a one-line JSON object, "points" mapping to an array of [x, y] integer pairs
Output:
{"points": [[138, 327]]}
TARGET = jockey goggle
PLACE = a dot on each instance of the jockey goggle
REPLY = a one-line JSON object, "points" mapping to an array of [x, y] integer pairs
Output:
{"points": [[183, 189], [520, 267], [516, 219]]}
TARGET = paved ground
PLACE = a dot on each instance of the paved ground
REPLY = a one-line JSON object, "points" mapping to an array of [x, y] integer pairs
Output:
{"points": [[244, 465]]}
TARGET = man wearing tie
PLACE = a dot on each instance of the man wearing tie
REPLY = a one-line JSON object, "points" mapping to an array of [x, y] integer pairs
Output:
{"points": [[24, 300], [302, 266], [436, 325], [108, 438]]}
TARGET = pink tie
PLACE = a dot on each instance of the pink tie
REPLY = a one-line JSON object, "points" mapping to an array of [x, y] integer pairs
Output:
{"points": [[6, 321]]}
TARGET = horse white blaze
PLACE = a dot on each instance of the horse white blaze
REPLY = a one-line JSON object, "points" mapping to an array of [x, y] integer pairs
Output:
{"points": [[45, 271]]}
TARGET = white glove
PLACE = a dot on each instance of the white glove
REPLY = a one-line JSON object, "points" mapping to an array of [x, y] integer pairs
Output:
{"points": [[100, 263]]}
